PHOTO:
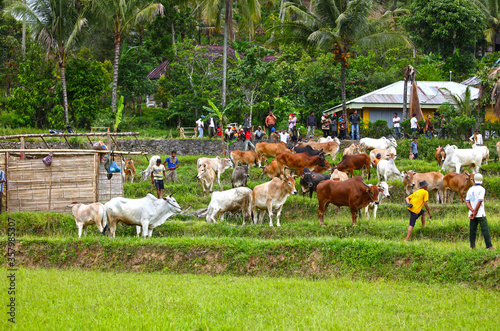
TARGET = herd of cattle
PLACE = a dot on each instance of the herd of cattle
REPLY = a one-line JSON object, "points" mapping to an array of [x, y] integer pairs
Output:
{"points": [[306, 160]]}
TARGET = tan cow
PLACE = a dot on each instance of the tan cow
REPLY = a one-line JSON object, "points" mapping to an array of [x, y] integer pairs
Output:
{"points": [[412, 181], [86, 215], [129, 170], [270, 150], [353, 149], [440, 155], [339, 175], [245, 157], [457, 183], [218, 164], [272, 196], [272, 170], [386, 154], [497, 147], [329, 148], [206, 175]]}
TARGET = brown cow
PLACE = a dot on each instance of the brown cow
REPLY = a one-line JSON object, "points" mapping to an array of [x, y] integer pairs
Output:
{"points": [[352, 192], [272, 170], [270, 150], [350, 163], [297, 162], [129, 170], [320, 169], [412, 181], [245, 157], [457, 183], [440, 155], [329, 148]]}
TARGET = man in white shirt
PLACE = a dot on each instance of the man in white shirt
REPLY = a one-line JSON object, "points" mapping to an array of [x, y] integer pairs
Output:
{"points": [[477, 138], [414, 124], [397, 127], [475, 202], [284, 136], [200, 126], [211, 126]]}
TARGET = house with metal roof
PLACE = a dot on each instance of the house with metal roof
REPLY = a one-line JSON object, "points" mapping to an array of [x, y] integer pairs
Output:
{"points": [[384, 102]]}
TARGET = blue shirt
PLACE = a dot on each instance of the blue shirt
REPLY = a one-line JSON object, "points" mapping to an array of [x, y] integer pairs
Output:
{"points": [[171, 164], [414, 147], [2, 177]]}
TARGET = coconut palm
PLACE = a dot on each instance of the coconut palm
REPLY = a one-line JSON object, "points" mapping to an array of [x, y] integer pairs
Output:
{"points": [[118, 16], [212, 11], [330, 29], [491, 10], [56, 24]]}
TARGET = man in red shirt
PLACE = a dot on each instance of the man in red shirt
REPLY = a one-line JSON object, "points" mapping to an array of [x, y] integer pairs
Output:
{"points": [[248, 141]]}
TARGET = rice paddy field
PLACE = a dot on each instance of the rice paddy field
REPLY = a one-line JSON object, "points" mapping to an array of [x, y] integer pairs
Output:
{"points": [[196, 276]]}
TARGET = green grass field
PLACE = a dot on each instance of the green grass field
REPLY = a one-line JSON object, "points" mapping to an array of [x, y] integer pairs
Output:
{"points": [[85, 300], [195, 275]]}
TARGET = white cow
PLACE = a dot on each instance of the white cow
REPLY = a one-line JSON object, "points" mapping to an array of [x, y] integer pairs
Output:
{"points": [[339, 175], [232, 200], [218, 164], [272, 196], [152, 162], [383, 193], [329, 139], [86, 215], [387, 169], [371, 143], [484, 150], [384, 153], [457, 158], [206, 175], [146, 213]]}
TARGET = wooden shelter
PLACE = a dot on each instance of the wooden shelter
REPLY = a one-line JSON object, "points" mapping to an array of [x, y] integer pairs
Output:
{"points": [[74, 175]]}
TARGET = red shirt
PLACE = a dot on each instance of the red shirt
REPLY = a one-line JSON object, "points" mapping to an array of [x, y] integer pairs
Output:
{"points": [[248, 135]]}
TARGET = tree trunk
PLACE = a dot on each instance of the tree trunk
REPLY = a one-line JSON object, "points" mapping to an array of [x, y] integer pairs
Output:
{"points": [[62, 65], [222, 136], [342, 84], [172, 30], [115, 74], [405, 100]]}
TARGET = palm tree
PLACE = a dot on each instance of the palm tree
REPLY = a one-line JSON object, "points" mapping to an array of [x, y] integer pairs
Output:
{"points": [[212, 11], [330, 29], [119, 15], [220, 115], [491, 10], [56, 24]]}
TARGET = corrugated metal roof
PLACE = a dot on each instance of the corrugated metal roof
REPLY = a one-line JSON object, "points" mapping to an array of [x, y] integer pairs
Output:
{"points": [[156, 73], [473, 81], [429, 93]]}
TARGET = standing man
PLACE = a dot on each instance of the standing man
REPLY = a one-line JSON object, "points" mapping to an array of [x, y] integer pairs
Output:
{"points": [[247, 126], [397, 127], [342, 128], [415, 203], [442, 133], [354, 119], [334, 129], [311, 125], [200, 126], [477, 138], [172, 164], [414, 148], [211, 126], [414, 124], [248, 140], [475, 202], [270, 123], [325, 125], [2, 181], [157, 177], [429, 128]]}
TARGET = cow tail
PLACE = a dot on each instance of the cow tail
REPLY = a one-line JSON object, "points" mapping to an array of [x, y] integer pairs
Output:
{"points": [[104, 221]]}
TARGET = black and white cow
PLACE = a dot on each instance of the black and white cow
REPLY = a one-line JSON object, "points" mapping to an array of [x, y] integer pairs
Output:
{"points": [[310, 180]]}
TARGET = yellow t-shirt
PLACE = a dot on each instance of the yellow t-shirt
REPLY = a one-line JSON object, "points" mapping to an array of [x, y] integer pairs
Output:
{"points": [[158, 172], [417, 199]]}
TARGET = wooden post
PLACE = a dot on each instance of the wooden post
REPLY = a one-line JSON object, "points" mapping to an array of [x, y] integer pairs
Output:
{"points": [[140, 145], [50, 194], [171, 137], [91, 143], [23, 146], [67, 142], [6, 184], [96, 176], [45, 142], [108, 141]]}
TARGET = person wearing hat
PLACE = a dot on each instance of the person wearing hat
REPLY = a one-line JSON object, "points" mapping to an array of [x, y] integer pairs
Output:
{"points": [[200, 126], [376, 160], [274, 136], [415, 203], [477, 138], [157, 176], [474, 200], [247, 125]]}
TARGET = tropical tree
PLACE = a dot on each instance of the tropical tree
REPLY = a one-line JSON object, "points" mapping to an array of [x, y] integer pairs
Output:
{"points": [[119, 16], [56, 24], [212, 12], [464, 104], [330, 29], [220, 115], [491, 10]]}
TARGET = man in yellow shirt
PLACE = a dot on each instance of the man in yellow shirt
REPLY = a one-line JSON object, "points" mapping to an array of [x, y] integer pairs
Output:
{"points": [[415, 203]]}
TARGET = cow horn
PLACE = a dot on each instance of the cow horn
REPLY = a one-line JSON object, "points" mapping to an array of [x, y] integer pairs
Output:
{"points": [[467, 173]]}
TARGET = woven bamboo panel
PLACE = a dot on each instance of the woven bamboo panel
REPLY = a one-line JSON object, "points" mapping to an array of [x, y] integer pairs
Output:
{"points": [[34, 186]]}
